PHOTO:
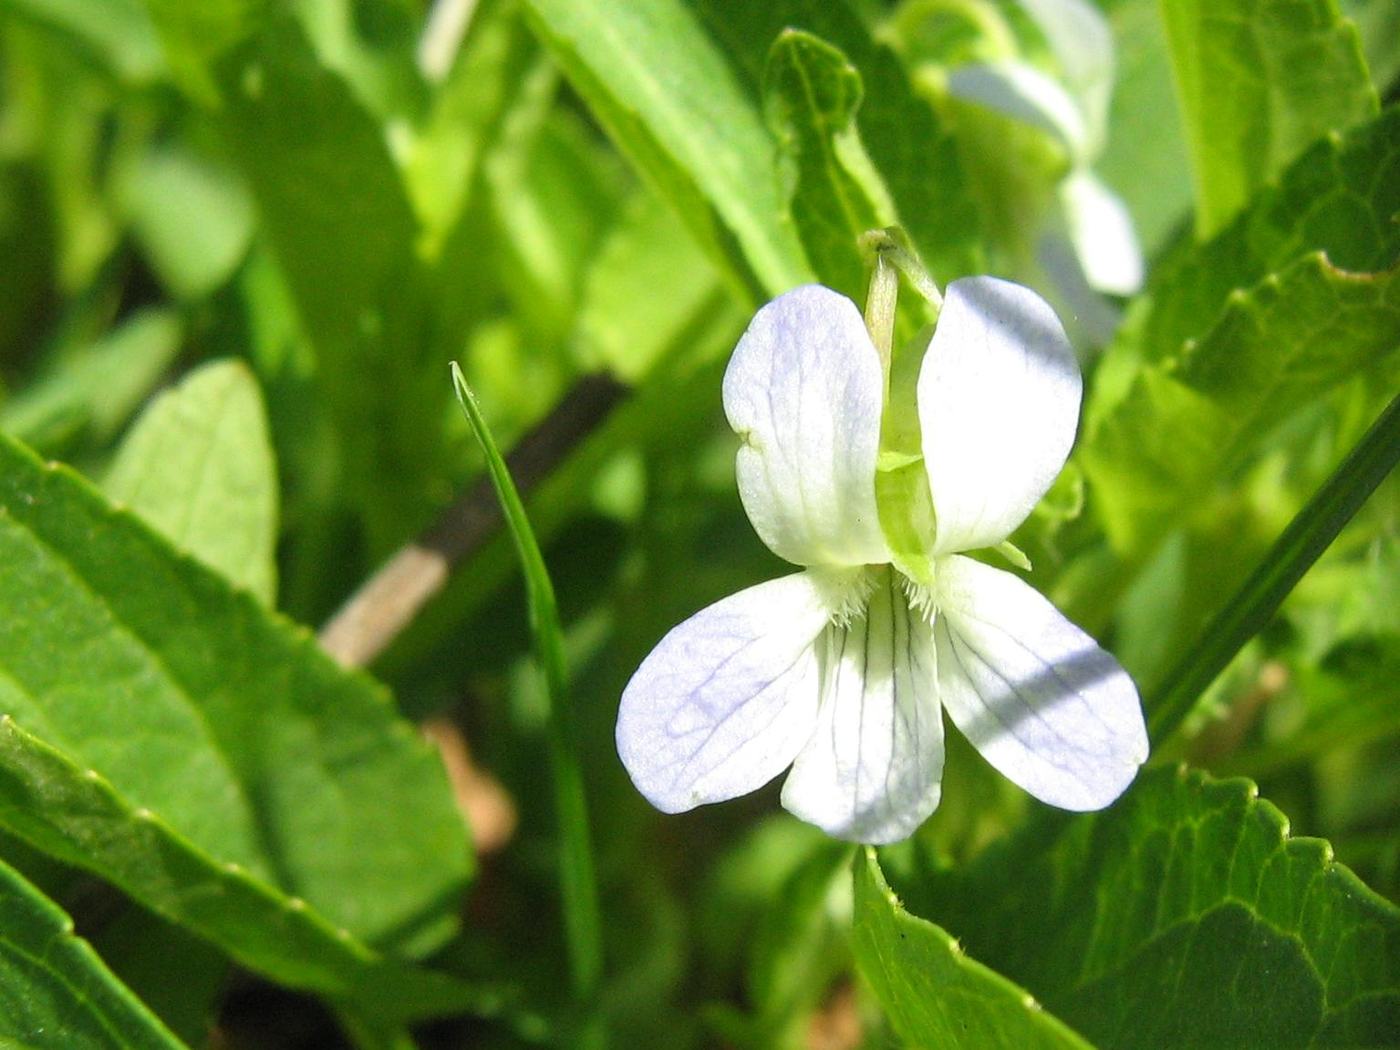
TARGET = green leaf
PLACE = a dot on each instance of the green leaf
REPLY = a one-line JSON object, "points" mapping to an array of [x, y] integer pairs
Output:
{"points": [[336, 211], [1307, 536], [192, 216], [661, 88], [466, 112], [648, 284], [1275, 349], [244, 741], [77, 816], [1339, 198], [1183, 916], [798, 948], [117, 31], [330, 197], [54, 990], [909, 145], [196, 36], [198, 466], [1144, 159], [554, 189], [1299, 294], [1378, 22], [1258, 81], [934, 994], [811, 94], [91, 393]]}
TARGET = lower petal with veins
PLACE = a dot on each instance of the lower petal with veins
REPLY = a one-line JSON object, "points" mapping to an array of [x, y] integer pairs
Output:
{"points": [[725, 701], [1038, 697], [871, 771]]}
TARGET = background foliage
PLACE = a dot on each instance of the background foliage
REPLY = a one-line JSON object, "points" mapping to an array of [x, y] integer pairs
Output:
{"points": [[242, 242]]}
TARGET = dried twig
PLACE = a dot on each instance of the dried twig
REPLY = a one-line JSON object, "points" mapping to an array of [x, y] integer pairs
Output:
{"points": [[389, 600]]}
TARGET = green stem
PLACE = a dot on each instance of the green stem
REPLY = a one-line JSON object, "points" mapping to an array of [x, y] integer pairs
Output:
{"points": [[1306, 537], [578, 880]]}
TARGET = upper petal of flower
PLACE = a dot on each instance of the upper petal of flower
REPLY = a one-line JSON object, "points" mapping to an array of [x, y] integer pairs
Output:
{"points": [[725, 701], [805, 390], [998, 407], [1034, 694], [871, 770]]}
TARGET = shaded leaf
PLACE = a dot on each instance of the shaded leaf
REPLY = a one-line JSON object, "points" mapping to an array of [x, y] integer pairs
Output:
{"points": [[911, 148], [54, 990], [77, 816], [1184, 916], [119, 32], [1296, 296], [811, 95], [934, 994], [192, 216], [91, 393]]}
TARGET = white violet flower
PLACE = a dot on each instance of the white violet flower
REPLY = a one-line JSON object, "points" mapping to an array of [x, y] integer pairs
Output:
{"points": [[842, 671]]}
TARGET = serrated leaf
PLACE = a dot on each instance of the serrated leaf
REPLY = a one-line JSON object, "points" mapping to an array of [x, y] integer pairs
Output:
{"points": [[1258, 82], [934, 994], [811, 94], [54, 990], [78, 817], [1276, 348], [911, 148], [1340, 198], [1296, 296], [91, 393], [663, 91], [1184, 916], [198, 467], [230, 725]]}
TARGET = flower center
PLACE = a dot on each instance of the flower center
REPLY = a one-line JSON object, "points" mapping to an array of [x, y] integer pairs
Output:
{"points": [[846, 591]]}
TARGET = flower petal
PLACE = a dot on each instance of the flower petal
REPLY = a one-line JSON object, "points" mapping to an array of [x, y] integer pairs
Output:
{"points": [[804, 390], [1102, 233], [725, 701], [1036, 695], [1082, 42], [1026, 94], [998, 407], [871, 771]]}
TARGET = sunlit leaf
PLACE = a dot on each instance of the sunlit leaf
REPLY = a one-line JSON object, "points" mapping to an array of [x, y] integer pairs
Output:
{"points": [[198, 467], [662, 89], [190, 701], [1259, 81]]}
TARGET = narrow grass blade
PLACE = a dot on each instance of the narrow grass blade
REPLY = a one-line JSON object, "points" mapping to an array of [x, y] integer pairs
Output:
{"points": [[578, 879], [1306, 537]]}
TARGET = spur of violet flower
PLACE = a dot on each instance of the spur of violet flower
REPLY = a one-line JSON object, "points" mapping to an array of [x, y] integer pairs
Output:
{"points": [[842, 671]]}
